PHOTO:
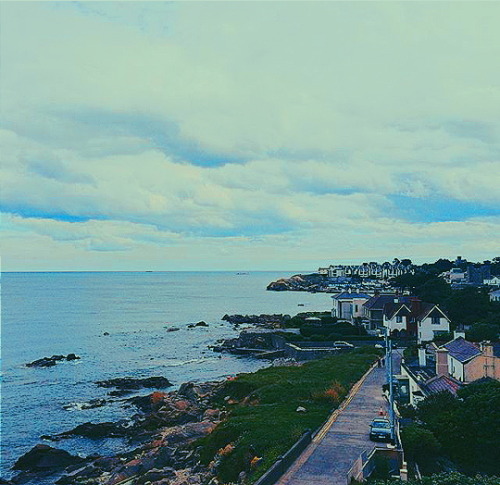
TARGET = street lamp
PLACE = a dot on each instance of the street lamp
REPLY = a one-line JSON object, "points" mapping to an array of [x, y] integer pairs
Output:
{"points": [[388, 360]]}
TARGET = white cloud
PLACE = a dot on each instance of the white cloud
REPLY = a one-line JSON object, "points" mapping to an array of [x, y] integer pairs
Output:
{"points": [[281, 123]]}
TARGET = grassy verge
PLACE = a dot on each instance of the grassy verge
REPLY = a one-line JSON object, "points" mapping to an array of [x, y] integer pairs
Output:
{"points": [[263, 422]]}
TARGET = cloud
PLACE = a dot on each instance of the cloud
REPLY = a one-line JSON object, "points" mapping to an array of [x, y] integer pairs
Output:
{"points": [[261, 123]]}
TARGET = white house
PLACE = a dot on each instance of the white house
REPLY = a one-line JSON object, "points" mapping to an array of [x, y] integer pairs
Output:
{"points": [[431, 322], [349, 305], [493, 281]]}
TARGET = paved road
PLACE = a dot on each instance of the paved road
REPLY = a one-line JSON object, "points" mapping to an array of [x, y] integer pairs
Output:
{"points": [[330, 456]]}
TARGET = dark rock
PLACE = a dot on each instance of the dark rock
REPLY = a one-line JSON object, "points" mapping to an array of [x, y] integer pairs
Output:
{"points": [[164, 458], [198, 324], [106, 334], [51, 361], [44, 457], [45, 362], [130, 383], [86, 472], [264, 320], [155, 475], [107, 463], [173, 329], [120, 393], [97, 430]]}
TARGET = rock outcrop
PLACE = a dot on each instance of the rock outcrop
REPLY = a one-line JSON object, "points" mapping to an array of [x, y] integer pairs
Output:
{"points": [[311, 282], [51, 361], [262, 320], [44, 457], [134, 384]]}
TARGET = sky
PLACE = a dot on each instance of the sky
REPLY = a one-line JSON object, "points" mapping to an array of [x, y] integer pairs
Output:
{"points": [[248, 135]]}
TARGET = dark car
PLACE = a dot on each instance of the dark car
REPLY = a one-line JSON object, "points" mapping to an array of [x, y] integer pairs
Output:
{"points": [[380, 430]]}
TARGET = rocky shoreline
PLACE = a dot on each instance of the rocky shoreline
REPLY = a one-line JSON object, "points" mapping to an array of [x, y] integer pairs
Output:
{"points": [[162, 432]]}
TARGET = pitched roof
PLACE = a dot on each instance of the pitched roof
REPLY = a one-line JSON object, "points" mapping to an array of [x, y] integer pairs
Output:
{"points": [[427, 308], [443, 383], [461, 349], [391, 309], [347, 295], [378, 302]]}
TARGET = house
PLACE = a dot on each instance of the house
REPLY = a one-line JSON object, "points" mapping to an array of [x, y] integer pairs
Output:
{"points": [[454, 276], [349, 305], [494, 295], [467, 361], [431, 322], [423, 377], [411, 317], [493, 281], [373, 309]]}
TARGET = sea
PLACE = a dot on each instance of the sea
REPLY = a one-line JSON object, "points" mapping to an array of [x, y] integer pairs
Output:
{"points": [[44, 314]]}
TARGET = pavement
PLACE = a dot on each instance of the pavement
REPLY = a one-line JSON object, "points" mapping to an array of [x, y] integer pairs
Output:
{"points": [[327, 460]]}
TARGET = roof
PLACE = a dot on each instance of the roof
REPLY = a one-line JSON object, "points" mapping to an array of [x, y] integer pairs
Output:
{"points": [[495, 292], [390, 309], [426, 308], [443, 383], [461, 349], [347, 295], [378, 302]]}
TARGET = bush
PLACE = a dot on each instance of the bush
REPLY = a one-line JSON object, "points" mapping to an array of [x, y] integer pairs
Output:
{"points": [[419, 443]]}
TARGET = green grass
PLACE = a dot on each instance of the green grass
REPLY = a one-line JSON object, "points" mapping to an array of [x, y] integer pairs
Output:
{"points": [[264, 421]]}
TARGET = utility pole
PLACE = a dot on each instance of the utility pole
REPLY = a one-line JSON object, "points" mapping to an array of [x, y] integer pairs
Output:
{"points": [[388, 366]]}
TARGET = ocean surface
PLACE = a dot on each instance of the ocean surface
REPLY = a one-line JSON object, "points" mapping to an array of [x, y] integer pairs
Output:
{"points": [[60, 313]]}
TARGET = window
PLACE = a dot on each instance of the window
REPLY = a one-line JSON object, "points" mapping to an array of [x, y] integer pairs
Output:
{"points": [[399, 319], [435, 320]]}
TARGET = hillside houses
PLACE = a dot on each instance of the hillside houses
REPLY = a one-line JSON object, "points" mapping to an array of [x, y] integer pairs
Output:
{"points": [[368, 270]]}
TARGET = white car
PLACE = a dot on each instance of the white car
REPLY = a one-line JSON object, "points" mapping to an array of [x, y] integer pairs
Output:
{"points": [[379, 346]]}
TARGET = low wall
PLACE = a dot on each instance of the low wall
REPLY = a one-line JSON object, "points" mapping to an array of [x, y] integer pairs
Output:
{"points": [[298, 353], [284, 462]]}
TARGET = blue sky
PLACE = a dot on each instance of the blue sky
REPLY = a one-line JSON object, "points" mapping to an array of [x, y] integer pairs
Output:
{"points": [[248, 135]]}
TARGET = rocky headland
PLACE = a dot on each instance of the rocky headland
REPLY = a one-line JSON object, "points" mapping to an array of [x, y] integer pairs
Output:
{"points": [[311, 282]]}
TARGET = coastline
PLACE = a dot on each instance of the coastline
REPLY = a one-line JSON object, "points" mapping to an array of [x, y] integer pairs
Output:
{"points": [[173, 436]]}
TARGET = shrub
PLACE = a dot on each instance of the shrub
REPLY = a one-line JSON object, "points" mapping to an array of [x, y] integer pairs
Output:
{"points": [[419, 443]]}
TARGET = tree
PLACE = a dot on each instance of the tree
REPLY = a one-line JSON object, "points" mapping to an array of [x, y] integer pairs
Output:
{"points": [[483, 331], [419, 443]]}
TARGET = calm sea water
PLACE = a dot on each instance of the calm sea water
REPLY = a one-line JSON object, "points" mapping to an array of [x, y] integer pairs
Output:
{"points": [[60, 313]]}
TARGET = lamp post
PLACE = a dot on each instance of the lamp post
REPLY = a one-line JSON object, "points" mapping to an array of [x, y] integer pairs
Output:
{"points": [[388, 361]]}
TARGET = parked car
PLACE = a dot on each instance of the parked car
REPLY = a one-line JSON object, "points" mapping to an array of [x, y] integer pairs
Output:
{"points": [[380, 430], [341, 343], [379, 346]]}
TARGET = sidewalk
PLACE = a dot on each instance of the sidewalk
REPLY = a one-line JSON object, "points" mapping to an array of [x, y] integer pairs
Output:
{"points": [[329, 457]]}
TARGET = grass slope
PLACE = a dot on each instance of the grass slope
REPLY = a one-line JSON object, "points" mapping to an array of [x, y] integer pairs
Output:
{"points": [[263, 421]]}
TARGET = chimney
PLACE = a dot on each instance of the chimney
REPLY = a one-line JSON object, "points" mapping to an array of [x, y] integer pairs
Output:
{"points": [[487, 348], [422, 357], [415, 306], [442, 362]]}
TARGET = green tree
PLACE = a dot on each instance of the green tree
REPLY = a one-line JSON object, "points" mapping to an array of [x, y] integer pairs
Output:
{"points": [[419, 443]]}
